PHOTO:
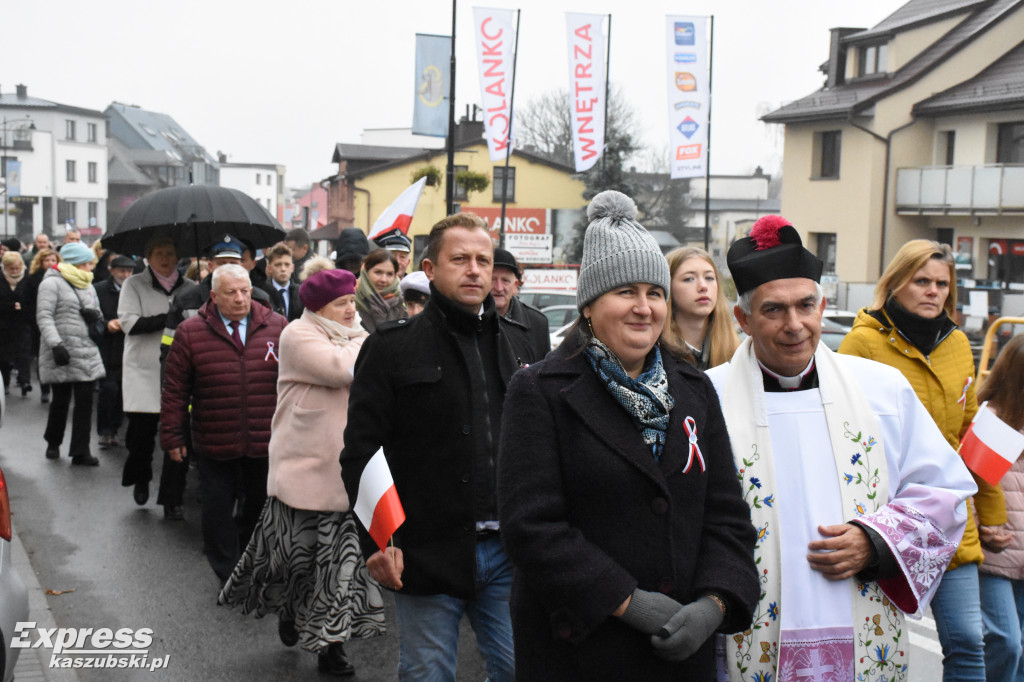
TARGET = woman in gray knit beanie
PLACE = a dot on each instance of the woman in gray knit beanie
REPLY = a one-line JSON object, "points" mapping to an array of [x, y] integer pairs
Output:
{"points": [[613, 467]]}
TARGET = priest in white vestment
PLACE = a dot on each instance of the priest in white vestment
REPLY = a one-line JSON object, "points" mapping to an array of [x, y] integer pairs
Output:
{"points": [[858, 500]]}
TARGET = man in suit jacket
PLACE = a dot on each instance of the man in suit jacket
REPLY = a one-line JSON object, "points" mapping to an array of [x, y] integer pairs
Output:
{"points": [[283, 292]]}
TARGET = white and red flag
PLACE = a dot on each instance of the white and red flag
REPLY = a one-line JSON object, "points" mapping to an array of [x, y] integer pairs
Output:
{"points": [[398, 216], [990, 446], [377, 504], [495, 36]]}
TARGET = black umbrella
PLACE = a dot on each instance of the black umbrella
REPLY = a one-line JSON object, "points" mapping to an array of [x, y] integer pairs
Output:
{"points": [[194, 216]]}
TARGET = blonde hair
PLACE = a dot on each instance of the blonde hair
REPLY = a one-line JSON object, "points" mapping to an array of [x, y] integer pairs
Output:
{"points": [[911, 257], [11, 257], [37, 260], [721, 337]]}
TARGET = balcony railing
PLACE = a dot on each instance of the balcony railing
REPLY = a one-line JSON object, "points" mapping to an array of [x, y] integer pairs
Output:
{"points": [[960, 190]]}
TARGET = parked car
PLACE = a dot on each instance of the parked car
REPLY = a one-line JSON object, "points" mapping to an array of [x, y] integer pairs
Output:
{"points": [[543, 299], [560, 315], [13, 595], [559, 334], [843, 318], [833, 333]]}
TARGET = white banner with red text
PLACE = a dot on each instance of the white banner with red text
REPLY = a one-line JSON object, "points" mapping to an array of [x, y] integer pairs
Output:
{"points": [[689, 95], [494, 31], [587, 85]]}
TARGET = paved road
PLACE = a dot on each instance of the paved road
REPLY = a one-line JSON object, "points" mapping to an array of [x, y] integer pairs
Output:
{"points": [[117, 565]]}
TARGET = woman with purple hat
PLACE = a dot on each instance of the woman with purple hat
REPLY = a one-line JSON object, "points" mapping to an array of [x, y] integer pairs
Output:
{"points": [[303, 561]]}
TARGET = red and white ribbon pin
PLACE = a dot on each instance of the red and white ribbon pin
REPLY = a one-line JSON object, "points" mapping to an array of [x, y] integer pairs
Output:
{"points": [[691, 431], [271, 353], [962, 401]]}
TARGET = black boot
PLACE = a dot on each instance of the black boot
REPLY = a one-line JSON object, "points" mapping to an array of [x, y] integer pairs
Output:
{"points": [[287, 632], [334, 661]]}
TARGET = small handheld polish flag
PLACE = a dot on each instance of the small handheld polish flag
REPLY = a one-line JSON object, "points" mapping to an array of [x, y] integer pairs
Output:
{"points": [[398, 216], [378, 506], [990, 446]]}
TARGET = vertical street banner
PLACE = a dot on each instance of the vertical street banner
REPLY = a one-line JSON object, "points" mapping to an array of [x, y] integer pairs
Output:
{"points": [[433, 66], [587, 85], [13, 175], [494, 31], [688, 95]]}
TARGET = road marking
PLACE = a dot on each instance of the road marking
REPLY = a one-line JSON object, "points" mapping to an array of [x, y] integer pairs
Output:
{"points": [[922, 642]]}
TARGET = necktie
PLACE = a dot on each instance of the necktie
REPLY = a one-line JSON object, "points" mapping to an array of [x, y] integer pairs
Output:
{"points": [[284, 298], [235, 336]]}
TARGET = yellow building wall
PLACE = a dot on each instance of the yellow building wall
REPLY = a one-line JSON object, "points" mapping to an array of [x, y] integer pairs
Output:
{"points": [[852, 205], [908, 44], [537, 185]]}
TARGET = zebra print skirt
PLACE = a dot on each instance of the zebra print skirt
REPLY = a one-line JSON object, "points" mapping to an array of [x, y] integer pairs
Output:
{"points": [[307, 567]]}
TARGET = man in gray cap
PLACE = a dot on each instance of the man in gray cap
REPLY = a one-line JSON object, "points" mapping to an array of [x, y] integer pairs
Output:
{"points": [[505, 281], [399, 245]]}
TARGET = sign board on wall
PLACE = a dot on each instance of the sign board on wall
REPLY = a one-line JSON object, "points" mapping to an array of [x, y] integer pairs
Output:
{"points": [[529, 248], [517, 220], [550, 279]]}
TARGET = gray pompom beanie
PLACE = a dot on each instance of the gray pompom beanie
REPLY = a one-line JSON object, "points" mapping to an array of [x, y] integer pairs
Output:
{"points": [[617, 250]]}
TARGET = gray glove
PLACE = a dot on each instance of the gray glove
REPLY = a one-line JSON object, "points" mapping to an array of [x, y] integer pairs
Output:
{"points": [[688, 629], [61, 356], [649, 611]]}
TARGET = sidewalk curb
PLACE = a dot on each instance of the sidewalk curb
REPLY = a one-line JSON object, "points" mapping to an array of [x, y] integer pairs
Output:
{"points": [[33, 664]]}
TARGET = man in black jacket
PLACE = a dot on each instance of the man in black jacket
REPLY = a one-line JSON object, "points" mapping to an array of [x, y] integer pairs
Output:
{"points": [[109, 412], [452, 364], [283, 292], [505, 282]]}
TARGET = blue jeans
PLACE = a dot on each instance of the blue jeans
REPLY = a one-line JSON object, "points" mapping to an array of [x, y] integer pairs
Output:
{"points": [[957, 611], [428, 626], [1001, 601]]}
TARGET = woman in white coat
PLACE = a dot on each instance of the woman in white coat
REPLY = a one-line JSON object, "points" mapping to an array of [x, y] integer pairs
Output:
{"points": [[142, 309], [303, 561], [68, 359]]}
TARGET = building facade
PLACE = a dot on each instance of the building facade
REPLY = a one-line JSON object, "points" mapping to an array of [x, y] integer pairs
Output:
{"points": [[264, 182], [54, 167], [918, 132]]}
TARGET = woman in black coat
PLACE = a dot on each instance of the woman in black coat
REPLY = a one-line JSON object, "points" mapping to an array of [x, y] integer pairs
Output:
{"points": [[14, 323], [618, 499]]}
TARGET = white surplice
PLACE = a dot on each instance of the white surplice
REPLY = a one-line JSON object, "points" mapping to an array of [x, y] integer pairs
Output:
{"points": [[922, 521]]}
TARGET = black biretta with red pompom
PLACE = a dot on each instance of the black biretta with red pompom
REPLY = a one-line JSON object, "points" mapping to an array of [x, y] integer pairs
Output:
{"points": [[772, 251]]}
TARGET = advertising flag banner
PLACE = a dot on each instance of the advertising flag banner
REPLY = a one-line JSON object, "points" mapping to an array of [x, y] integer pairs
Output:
{"points": [[495, 35], [13, 180], [688, 95], [587, 85], [990, 446], [377, 505], [398, 216], [433, 66]]}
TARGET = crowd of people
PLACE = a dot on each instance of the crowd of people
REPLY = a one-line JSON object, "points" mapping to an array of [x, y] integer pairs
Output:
{"points": [[654, 499]]}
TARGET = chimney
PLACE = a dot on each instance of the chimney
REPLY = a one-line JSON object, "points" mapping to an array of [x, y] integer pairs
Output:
{"points": [[22, 91], [836, 70]]}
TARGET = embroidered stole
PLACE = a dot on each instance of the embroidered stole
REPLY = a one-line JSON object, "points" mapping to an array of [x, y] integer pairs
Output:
{"points": [[862, 472]]}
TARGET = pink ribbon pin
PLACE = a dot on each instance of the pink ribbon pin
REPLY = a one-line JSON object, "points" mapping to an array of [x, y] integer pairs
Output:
{"points": [[270, 352], [690, 426]]}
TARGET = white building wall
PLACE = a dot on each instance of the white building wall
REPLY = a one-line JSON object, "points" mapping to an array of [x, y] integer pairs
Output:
{"points": [[257, 181]]}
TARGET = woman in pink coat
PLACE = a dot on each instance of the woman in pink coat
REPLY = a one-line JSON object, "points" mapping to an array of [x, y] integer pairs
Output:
{"points": [[1002, 573], [303, 561]]}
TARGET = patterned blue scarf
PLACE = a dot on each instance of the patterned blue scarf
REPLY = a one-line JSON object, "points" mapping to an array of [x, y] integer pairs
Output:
{"points": [[645, 398]]}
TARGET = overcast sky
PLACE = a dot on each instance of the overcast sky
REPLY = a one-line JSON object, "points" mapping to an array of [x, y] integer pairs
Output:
{"points": [[283, 82]]}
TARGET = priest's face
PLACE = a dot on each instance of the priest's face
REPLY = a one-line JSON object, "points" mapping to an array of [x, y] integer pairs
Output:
{"points": [[784, 323]]}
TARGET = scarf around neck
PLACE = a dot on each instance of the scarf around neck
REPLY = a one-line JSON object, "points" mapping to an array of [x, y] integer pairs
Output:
{"points": [[80, 279], [646, 399], [167, 282], [337, 333], [378, 303], [13, 281], [925, 333]]}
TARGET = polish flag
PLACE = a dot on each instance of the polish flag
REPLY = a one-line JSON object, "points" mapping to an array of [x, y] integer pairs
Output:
{"points": [[377, 504], [990, 446], [398, 216]]}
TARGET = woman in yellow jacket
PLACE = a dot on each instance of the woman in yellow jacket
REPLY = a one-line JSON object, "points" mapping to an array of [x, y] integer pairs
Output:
{"points": [[908, 327]]}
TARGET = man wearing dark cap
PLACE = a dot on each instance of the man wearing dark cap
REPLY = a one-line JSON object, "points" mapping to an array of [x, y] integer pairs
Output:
{"points": [[109, 413], [837, 455], [505, 281], [399, 245]]}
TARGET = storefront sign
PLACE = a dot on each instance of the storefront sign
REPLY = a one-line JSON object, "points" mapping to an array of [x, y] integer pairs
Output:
{"points": [[517, 220], [550, 279], [529, 248]]}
